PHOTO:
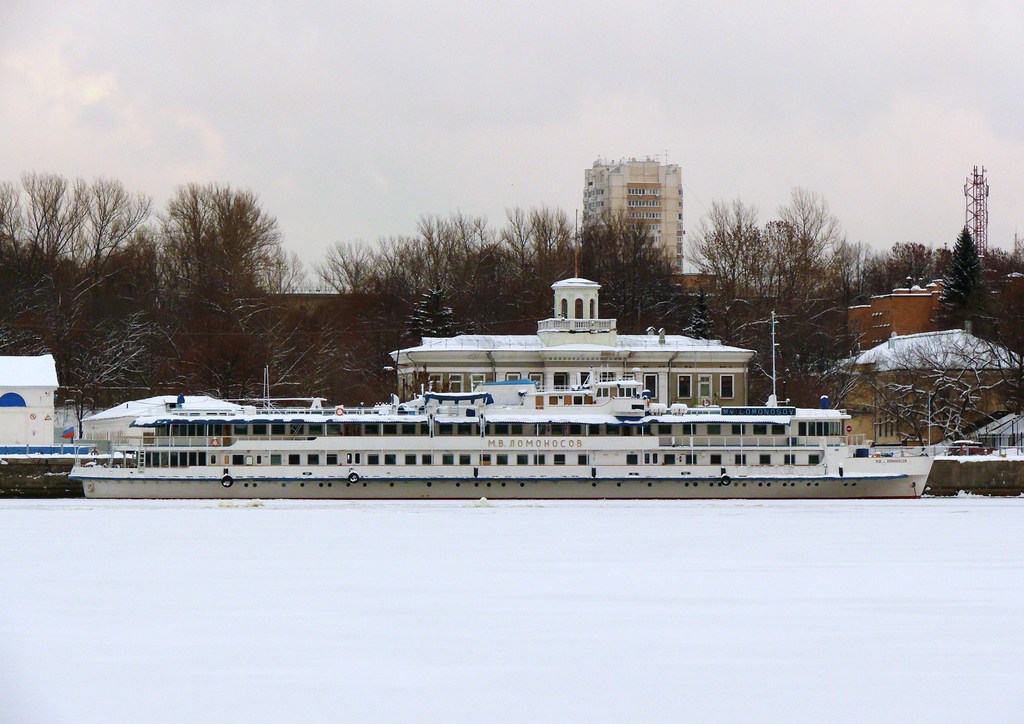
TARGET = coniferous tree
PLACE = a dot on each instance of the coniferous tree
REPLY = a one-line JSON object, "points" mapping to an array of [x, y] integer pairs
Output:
{"points": [[700, 317], [431, 316], [963, 281]]}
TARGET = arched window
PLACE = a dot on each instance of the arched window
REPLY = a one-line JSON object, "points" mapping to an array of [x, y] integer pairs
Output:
{"points": [[12, 399], [579, 308], [565, 309], [593, 311]]}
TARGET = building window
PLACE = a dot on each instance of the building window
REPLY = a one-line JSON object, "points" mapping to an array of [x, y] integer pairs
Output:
{"points": [[560, 380], [455, 383], [651, 385], [434, 382], [704, 386], [510, 376], [565, 309], [475, 380], [537, 378], [726, 387]]}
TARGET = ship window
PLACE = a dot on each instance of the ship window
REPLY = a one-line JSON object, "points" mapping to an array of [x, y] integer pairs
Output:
{"points": [[408, 429], [813, 459], [664, 429], [714, 429], [313, 459], [501, 459], [465, 428], [463, 459], [540, 459], [691, 458], [332, 459], [447, 459], [789, 459], [554, 400], [760, 429], [557, 429], [294, 459], [740, 458], [241, 429], [577, 400], [625, 431], [501, 429], [716, 459], [669, 459], [737, 429], [390, 429], [333, 428], [428, 459], [522, 459], [260, 429], [765, 459], [277, 429], [802, 428], [296, 428], [410, 459], [689, 429], [485, 459], [444, 428], [632, 459], [389, 459], [559, 459], [248, 459], [516, 429], [237, 459], [373, 459], [582, 459], [575, 429], [778, 429], [316, 429], [174, 460], [275, 459]]}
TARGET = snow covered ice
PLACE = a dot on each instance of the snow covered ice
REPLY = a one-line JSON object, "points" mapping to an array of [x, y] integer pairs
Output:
{"points": [[340, 611]]}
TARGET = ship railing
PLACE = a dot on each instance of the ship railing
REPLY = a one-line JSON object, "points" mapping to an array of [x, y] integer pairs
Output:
{"points": [[745, 441]]}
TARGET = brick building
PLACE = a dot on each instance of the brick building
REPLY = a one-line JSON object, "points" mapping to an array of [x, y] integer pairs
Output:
{"points": [[904, 311]]}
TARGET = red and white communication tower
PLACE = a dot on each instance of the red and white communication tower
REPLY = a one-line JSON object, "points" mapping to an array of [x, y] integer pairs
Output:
{"points": [[976, 191]]}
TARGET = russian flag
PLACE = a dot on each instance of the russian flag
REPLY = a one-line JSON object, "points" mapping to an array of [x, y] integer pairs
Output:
{"points": [[69, 433]]}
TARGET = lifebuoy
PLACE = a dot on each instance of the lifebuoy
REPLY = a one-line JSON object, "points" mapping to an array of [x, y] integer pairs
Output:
{"points": [[339, 410], [705, 402], [214, 442], [353, 477], [32, 416], [726, 480], [227, 481]]}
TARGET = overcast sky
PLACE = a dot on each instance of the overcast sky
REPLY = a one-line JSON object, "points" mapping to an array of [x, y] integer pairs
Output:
{"points": [[353, 119]]}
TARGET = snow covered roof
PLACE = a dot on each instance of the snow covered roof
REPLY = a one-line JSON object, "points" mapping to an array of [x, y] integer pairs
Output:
{"points": [[40, 371], [1009, 423], [575, 282], [948, 349], [526, 342], [156, 405]]}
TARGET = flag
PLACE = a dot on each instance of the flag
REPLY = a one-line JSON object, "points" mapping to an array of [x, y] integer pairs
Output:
{"points": [[69, 433]]}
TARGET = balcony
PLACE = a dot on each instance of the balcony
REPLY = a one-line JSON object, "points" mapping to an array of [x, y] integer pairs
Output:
{"points": [[576, 325]]}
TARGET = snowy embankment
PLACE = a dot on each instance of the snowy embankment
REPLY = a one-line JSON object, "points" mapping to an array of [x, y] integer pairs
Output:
{"points": [[696, 611]]}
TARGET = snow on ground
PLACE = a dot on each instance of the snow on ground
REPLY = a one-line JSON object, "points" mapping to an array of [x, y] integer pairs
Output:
{"points": [[694, 611]]}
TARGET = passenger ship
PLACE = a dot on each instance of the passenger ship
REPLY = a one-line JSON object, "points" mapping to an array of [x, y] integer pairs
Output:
{"points": [[503, 440]]}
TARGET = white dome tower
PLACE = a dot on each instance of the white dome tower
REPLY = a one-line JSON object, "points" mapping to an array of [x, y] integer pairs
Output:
{"points": [[576, 312]]}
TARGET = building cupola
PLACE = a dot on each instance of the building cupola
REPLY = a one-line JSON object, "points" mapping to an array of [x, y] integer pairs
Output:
{"points": [[576, 312]]}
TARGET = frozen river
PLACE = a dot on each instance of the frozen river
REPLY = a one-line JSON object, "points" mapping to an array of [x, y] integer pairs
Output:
{"points": [[330, 611]]}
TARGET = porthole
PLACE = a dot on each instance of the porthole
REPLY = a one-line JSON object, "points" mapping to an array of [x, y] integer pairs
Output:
{"points": [[247, 485], [649, 484], [853, 485], [476, 485], [522, 485], [502, 485], [392, 484], [330, 484], [321, 485], [284, 485], [347, 485], [768, 484], [429, 484], [760, 484], [594, 484], [458, 485], [488, 485], [618, 485], [302, 485], [254, 485]]}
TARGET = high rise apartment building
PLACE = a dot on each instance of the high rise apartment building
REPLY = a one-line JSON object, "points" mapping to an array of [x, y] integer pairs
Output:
{"points": [[649, 192]]}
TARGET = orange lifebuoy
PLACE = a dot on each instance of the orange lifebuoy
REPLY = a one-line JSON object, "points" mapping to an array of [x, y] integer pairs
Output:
{"points": [[339, 410], [32, 416], [705, 402], [215, 442]]}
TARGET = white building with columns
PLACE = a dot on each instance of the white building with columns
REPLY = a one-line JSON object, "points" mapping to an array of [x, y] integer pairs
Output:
{"points": [[574, 346]]}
